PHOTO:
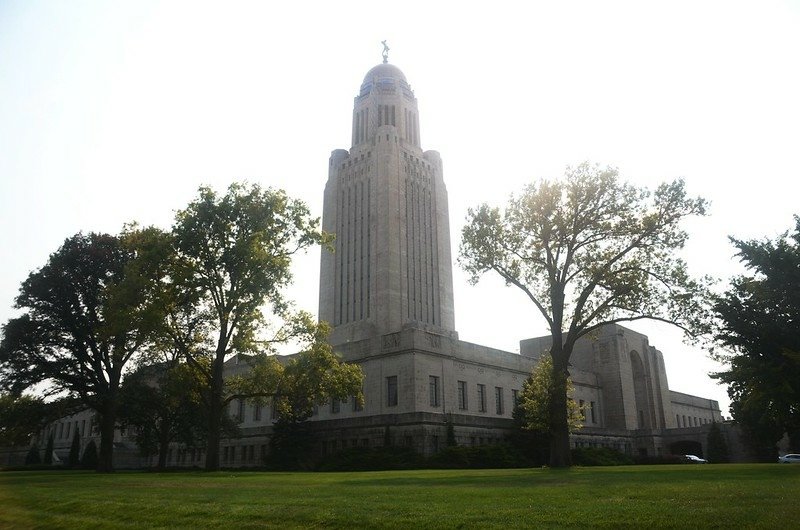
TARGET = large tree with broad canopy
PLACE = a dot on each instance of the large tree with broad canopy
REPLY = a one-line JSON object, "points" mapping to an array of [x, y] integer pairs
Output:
{"points": [[588, 250]]}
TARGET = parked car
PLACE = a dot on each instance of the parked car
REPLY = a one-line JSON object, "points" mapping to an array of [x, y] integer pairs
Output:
{"points": [[789, 459], [692, 459]]}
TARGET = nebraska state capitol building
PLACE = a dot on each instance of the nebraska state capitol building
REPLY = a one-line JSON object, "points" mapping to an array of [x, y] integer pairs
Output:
{"points": [[387, 291]]}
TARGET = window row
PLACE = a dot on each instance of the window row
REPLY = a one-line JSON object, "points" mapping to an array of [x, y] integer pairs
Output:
{"points": [[435, 393], [687, 422]]}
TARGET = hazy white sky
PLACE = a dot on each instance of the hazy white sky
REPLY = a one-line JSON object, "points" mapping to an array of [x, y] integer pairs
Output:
{"points": [[117, 111]]}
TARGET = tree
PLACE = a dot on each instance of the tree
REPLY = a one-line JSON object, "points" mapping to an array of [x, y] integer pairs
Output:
{"points": [[86, 316], [89, 459], [75, 450], [163, 402], [588, 251], [759, 331], [535, 400], [48, 451], [314, 377], [717, 446], [450, 432], [33, 458], [21, 418], [308, 379], [231, 259]]}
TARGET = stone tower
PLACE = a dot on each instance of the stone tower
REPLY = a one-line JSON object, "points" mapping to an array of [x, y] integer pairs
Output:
{"points": [[387, 204]]}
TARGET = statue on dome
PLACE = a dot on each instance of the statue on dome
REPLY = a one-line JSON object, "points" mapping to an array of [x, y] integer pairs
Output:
{"points": [[385, 52]]}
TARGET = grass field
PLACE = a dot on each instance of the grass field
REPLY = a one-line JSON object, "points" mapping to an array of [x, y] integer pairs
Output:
{"points": [[680, 496]]}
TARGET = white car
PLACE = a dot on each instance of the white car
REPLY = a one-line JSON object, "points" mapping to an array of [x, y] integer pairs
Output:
{"points": [[789, 459], [692, 459]]}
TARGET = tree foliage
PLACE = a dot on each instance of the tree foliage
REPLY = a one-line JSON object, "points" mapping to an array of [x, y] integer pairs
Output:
{"points": [[717, 446], [48, 450], [75, 450], [759, 329], [588, 251], [535, 400], [163, 402], [21, 418], [228, 261], [86, 316], [314, 377]]}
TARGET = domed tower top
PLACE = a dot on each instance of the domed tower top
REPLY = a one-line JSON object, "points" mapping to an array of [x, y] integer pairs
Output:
{"points": [[385, 99], [386, 201], [384, 71]]}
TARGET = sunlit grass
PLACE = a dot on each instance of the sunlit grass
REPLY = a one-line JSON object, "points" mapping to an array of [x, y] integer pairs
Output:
{"points": [[682, 496]]}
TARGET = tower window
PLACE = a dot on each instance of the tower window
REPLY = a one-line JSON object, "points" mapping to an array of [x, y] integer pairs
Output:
{"points": [[498, 399], [433, 390], [462, 395], [391, 391]]}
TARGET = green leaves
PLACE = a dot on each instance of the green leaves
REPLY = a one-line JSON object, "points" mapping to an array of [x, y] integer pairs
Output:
{"points": [[590, 250], [759, 326], [535, 400]]}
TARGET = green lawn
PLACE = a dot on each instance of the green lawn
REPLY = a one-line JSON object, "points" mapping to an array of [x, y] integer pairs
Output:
{"points": [[681, 496]]}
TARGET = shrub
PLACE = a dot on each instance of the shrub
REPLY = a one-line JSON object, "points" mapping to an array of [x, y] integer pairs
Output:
{"points": [[479, 457], [375, 459], [663, 459], [599, 456], [48, 451], [291, 447], [717, 448], [89, 460], [32, 458], [75, 451]]}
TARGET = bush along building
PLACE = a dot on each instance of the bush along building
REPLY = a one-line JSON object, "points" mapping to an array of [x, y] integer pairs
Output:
{"points": [[387, 292]]}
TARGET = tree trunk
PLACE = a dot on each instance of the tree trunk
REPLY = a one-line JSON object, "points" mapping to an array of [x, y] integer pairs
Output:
{"points": [[108, 420], [559, 427], [216, 407], [163, 445]]}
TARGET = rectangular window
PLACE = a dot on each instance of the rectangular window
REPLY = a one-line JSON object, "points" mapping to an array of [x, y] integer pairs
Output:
{"points": [[335, 406], [515, 397], [240, 410], [462, 395], [358, 405], [591, 411], [678, 419], [391, 391], [481, 398], [433, 390], [257, 412], [498, 400]]}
